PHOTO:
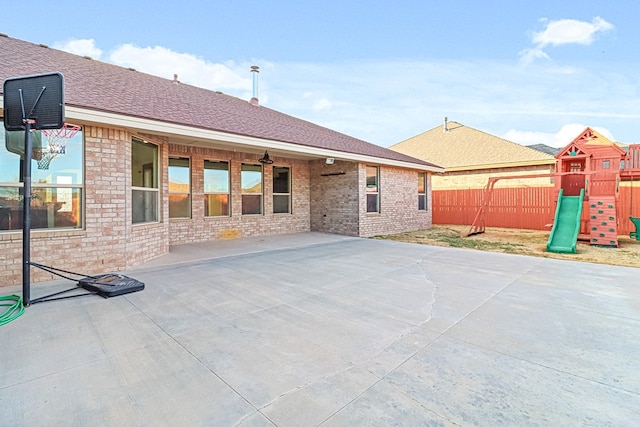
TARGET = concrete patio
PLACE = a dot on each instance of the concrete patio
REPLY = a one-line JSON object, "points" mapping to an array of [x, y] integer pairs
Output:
{"points": [[317, 329]]}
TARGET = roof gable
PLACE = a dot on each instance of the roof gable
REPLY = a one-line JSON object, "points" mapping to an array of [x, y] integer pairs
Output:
{"points": [[572, 150], [591, 143], [459, 146], [99, 86]]}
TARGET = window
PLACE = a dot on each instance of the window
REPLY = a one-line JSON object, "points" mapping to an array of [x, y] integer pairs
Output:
{"points": [[56, 182], [606, 164], [179, 188], [144, 181], [251, 180], [281, 189], [422, 191], [373, 192], [576, 166], [216, 188]]}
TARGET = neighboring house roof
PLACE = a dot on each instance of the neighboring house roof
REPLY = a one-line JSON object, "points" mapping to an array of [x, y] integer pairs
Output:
{"points": [[113, 92], [545, 148], [458, 147]]}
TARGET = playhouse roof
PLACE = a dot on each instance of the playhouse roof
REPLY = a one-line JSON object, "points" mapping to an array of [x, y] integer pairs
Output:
{"points": [[119, 94], [593, 143], [459, 147]]}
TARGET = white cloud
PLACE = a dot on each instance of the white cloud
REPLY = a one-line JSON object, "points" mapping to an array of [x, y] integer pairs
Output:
{"points": [[82, 47], [527, 56], [570, 31], [395, 100], [385, 102], [322, 104], [564, 136], [164, 62], [562, 32], [190, 69]]}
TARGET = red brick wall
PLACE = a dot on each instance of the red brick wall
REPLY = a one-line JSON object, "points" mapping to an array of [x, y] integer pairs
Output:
{"points": [[398, 192], [338, 201], [325, 198], [334, 198], [109, 241], [199, 228]]}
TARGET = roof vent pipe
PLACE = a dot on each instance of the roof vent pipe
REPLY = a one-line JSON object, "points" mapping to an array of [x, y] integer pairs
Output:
{"points": [[255, 70], [446, 127]]}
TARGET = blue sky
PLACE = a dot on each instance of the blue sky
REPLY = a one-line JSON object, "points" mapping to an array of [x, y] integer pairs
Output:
{"points": [[530, 72]]}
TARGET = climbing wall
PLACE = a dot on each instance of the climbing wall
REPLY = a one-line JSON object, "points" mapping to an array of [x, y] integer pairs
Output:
{"points": [[603, 221]]}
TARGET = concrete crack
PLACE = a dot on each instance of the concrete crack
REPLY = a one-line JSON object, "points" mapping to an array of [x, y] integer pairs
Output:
{"points": [[434, 291]]}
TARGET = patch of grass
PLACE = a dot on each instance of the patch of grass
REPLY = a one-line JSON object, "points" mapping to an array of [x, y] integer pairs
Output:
{"points": [[522, 242], [453, 238]]}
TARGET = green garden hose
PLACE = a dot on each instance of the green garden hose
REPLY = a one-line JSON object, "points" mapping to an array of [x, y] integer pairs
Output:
{"points": [[14, 309]]}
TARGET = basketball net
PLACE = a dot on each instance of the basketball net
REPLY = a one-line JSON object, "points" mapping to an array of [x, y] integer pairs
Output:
{"points": [[57, 143]]}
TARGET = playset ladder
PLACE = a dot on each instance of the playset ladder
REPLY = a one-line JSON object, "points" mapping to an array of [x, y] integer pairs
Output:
{"points": [[603, 221]]}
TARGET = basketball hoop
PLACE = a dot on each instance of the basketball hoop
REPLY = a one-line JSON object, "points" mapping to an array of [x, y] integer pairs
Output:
{"points": [[57, 143]]}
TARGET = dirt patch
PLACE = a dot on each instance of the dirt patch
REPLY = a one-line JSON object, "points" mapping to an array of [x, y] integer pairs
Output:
{"points": [[524, 242]]}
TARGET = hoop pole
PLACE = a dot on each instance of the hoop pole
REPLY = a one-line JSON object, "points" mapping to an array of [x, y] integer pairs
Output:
{"points": [[26, 216]]}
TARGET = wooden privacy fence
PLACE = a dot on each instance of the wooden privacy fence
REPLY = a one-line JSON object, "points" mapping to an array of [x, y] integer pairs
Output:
{"points": [[530, 208]]}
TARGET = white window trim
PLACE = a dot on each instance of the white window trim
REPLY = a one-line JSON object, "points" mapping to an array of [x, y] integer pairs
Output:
{"points": [[188, 193], [376, 192], [227, 193], [261, 193], [284, 194]]}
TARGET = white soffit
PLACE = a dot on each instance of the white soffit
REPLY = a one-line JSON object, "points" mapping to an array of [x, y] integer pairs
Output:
{"points": [[210, 138]]}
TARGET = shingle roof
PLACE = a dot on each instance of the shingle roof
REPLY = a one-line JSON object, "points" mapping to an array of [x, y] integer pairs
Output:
{"points": [[462, 147], [545, 148], [96, 85]]}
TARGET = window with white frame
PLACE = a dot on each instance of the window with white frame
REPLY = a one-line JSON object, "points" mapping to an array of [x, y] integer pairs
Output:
{"points": [[251, 182], [373, 190], [281, 189], [216, 188], [179, 187], [422, 191], [57, 181], [144, 181]]}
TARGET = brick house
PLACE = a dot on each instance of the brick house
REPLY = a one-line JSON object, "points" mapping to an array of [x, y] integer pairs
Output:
{"points": [[470, 157], [159, 163]]}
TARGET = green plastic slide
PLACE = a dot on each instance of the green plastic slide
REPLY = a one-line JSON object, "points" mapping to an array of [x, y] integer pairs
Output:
{"points": [[566, 224]]}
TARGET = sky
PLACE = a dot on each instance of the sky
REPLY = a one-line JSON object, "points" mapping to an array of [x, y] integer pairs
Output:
{"points": [[383, 71]]}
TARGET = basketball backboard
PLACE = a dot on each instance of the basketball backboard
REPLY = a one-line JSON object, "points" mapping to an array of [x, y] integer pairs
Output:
{"points": [[14, 142], [39, 98]]}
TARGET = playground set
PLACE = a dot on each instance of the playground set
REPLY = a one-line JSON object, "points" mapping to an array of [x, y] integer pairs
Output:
{"points": [[587, 180]]}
